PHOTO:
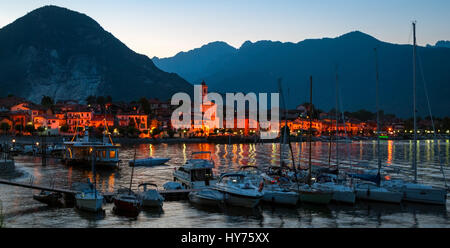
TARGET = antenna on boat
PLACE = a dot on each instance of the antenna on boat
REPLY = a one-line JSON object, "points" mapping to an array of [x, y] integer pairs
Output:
{"points": [[337, 121], [378, 116], [107, 131], [414, 105], [285, 133], [93, 157], [310, 128], [76, 131], [132, 169]]}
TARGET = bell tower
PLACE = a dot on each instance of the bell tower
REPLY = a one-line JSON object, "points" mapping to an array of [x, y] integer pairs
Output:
{"points": [[204, 92]]}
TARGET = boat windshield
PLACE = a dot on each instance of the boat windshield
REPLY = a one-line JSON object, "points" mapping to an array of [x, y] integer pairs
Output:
{"points": [[201, 174], [233, 179]]}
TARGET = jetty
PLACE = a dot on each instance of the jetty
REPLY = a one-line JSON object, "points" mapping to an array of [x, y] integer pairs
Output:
{"points": [[169, 195]]}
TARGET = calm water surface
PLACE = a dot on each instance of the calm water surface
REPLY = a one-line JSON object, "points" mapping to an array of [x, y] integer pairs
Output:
{"points": [[20, 210]]}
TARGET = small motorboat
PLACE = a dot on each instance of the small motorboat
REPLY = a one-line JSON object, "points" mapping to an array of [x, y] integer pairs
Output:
{"points": [[197, 172], [150, 197], [172, 186], [238, 190], [148, 161], [52, 199], [206, 197], [126, 202]]}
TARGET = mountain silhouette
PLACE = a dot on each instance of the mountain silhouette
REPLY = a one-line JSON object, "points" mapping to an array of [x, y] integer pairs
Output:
{"points": [[67, 55], [255, 67]]}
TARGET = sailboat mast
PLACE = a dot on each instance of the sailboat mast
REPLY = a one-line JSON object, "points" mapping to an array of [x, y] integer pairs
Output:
{"points": [[281, 134], [310, 128], [132, 169], [378, 113], [94, 176], [414, 107], [337, 119]]}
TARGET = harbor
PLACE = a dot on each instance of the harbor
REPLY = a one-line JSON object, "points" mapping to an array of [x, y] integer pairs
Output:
{"points": [[21, 210]]}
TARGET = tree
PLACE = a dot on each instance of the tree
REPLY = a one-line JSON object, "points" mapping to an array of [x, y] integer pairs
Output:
{"points": [[131, 123], [156, 131], [47, 102], [145, 105], [101, 100], [5, 127], [19, 128], [30, 129], [171, 132], [91, 100], [64, 128]]}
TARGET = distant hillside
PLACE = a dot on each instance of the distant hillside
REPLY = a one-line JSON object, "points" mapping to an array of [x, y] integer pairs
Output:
{"points": [[255, 67], [67, 55], [196, 62], [443, 43]]}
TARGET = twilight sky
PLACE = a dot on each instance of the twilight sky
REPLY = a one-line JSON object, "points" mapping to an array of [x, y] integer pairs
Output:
{"points": [[164, 27]]}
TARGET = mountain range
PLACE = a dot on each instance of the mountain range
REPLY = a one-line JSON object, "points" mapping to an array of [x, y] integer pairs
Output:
{"points": [[67, 55], [256, 66]]}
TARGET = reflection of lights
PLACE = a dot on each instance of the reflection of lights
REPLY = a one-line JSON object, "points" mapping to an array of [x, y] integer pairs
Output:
{"points": [[390, 149]]}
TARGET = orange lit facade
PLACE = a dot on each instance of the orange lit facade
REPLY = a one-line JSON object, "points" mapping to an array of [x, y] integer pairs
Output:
{"points": [[78, 119], [138, 120]]}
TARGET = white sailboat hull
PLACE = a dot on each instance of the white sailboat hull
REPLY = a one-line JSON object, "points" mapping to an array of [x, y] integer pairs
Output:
{"points": [[374, 193], [88, 202], [341, 193], [241, 200], [419, 193], [344, 196], [280, 197]]}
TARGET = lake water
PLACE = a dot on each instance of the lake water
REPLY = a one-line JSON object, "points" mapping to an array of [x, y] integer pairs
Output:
{"points": [[20, 210]]}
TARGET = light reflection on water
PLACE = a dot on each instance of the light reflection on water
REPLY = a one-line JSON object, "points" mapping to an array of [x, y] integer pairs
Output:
{"points": [[22, 211]]}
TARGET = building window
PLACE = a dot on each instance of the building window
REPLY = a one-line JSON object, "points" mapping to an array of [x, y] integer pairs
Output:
{"points": [[112, 154]]}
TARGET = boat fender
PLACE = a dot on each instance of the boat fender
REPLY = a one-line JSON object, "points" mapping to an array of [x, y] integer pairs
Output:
{"points": [[261, 186]]}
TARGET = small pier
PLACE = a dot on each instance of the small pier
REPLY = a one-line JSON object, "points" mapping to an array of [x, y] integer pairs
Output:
{"points": [[169, 195], [40, 187]]}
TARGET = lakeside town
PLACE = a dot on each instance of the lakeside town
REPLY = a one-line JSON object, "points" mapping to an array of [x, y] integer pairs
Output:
{"points": [[151, 118]]}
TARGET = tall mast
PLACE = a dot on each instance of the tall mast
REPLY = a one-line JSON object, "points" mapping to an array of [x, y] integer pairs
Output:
{"points": [[310, 128], [132, 169], [414, 100], [94, 175], [281, 134], [337, 119], [378, 115]]}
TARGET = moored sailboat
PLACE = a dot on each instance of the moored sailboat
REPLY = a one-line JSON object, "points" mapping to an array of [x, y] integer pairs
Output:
{"points": [[89, 199], [370, 191], [127, 202], [414, 191]]}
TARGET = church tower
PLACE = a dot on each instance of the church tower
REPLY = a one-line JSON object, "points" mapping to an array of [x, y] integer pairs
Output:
{"points": [[204, 92]]}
